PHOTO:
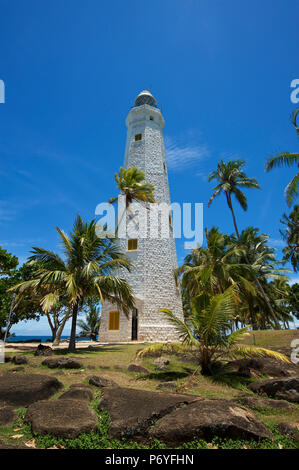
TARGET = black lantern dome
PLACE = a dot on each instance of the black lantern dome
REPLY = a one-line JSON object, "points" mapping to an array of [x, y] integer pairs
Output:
{"points": [[145, 97]]}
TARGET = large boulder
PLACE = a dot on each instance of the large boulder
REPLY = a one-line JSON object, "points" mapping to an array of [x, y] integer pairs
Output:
{"points": [[133, 411], [98, 381], [286, 389], [7, 415], [24, 389], [62, 363], [61, 418], [42, 350], [206, 419]]}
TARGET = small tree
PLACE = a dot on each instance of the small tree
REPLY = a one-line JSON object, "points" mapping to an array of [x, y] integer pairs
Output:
{"points": [[205, 335], [87, 270]]}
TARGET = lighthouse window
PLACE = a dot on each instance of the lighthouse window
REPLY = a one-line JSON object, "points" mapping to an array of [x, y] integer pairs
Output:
{"points": [[164, 167], [114, 320], [151, 118], [132, 244], [138, 137]]}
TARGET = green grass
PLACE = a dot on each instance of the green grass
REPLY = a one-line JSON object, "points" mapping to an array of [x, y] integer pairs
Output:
{"points": [[116, 358]]}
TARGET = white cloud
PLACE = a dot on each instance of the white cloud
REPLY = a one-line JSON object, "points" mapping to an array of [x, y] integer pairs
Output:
{"points": [[181, 154], [276, 242]]}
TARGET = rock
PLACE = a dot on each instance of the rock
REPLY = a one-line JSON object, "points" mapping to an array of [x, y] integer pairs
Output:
{"points": [[42, 350], [290, 395], [16, 369], [261, 403], [133, 411], [62, 362], [263, 366], [169, 385], [61, 418], [7, 415], [161, 363], [138, 369], [249, 373], [20, 359], [101, 382], [287, 389], [24, 389], [206, 419], [90, 367], [77, 392], [7, 358], [289, 429]]}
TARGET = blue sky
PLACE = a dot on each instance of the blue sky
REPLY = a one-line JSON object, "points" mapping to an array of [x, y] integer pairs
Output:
{"points": [[220, 71]]}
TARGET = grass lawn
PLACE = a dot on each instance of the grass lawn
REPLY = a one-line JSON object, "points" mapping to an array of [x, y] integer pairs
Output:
{"points": [[111, 362]]}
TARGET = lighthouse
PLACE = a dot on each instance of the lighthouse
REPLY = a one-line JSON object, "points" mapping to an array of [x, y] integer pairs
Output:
{"points": [[153, 256]]}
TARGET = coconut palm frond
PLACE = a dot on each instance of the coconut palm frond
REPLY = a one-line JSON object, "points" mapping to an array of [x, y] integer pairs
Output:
{"points": [[159, 349], [237, 335], [291, 191], [252, 351], [183, 328]]}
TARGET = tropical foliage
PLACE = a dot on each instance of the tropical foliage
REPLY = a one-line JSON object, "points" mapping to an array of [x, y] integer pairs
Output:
{"points": [[87, 270], [131, 183], [205, 332], [288, 159], [90, 326], [291, 236], [12, 312]]}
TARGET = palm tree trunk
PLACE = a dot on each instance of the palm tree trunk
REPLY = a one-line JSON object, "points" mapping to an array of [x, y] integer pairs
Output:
{"points": [[229, 202], [60, 329], [265, 297], [72, 343]]}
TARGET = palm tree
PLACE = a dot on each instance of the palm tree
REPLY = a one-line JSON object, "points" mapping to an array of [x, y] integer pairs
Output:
{"points": [[287, 159], [91, 325], [204, 333], [212, 269], [291, 236], [231, 177], [131, 183], [87, 271], [262, 267]]}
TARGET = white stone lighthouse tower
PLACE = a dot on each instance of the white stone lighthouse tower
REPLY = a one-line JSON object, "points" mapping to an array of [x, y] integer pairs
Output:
{"points": [[153, 259]]}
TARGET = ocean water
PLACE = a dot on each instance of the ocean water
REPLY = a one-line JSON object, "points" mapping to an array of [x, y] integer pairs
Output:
{"points": [[18, 338]]}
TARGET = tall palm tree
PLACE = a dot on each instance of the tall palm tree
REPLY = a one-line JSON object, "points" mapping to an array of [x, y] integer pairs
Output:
{"points": [[291, 236], [205, 332], [212, 269], [231, 178], [87, 271], [262, 267], [287, 159], [131, 183], [90, 326]]}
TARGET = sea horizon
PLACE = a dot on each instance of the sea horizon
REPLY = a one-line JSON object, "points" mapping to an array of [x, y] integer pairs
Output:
{"points": [[42, 338]]}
